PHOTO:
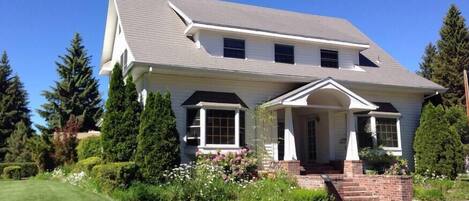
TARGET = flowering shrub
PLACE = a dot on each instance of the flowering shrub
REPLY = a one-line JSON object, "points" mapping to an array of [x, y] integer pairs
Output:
{"points": [[235, 166], [400, 167]]}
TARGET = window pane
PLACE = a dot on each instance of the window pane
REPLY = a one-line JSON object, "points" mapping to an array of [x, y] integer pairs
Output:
{"points": [[234, 48], [193, 126], [364, 132], [329, 58], [386, 129], [284, 54], [242, 136], [222, 130]]}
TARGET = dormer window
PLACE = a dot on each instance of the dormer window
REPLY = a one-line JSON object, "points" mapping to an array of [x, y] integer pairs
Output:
{"points": [[329, 59], [123, 60], [284, 54], [234, 48]]}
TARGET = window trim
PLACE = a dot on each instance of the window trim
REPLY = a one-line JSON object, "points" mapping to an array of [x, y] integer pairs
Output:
{"points": [[203, 125], [374, 134]]}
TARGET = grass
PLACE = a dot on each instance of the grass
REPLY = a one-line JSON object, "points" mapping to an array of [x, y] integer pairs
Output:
{"points": [[441, 189], [42, 190]]}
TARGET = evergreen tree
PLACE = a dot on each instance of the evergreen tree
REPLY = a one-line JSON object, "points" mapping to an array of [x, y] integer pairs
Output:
{"points": [[76, 93], [13, 103], [437, 146], [113, 131], [158, 142], [453, 57], [428, 59], [131, 120], [17, 145]]}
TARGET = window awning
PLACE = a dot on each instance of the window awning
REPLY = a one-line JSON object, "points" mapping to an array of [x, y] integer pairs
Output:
{"points": [[201, 98], [383, 107]]}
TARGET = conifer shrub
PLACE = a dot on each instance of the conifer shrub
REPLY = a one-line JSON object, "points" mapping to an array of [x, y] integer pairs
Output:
{"points": [[86, 165], [12, 172], [89, 147], [437, 145], [158, 140]]}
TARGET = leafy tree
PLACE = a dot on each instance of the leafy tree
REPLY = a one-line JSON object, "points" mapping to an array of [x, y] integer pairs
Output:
{"points": [[13, 103], [76, 93], [427, 64], [113, 131], [457, 118], [158, 142], [17, 145], [65, 142], [437, 146], [453, 57]]}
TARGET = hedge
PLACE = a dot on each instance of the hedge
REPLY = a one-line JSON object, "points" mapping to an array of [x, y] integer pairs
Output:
{"points": [[12, 172], [27, 169], [115, 175], [89, 147], [86, 165]]}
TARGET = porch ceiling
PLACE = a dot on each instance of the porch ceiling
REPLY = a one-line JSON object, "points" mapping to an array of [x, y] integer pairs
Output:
{"points": [[325, 93]]}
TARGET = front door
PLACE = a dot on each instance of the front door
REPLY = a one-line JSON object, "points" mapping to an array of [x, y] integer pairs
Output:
{"points": [[311, 140]]}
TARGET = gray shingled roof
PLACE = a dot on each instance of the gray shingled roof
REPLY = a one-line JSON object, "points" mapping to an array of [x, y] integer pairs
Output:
{"points": [[154, 33]]}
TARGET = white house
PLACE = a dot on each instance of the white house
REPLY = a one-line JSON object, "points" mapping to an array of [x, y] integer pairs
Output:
{"points": [[329, 88]]}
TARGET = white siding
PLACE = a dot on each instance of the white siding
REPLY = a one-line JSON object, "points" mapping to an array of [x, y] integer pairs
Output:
{"points": [[259, 48], [120, 44], [252, 93]]}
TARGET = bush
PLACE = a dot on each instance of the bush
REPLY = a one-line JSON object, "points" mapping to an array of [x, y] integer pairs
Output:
{"points": [[236, 166], [86, 165], [376, 159], [89, 147], [400, 167], [115, 175], [300, 194], [425, 194], [141, 192], [27, 169], [12, 172], [437, 145], [65, 142], [158, 140]]}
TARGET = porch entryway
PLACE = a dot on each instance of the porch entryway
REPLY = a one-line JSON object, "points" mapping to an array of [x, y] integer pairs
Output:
{"points": [[316, 127]]}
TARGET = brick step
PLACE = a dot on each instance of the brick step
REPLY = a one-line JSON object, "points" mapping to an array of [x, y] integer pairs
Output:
{"points": [[349, 183], [356, 193], [360, 198], [351, 188]]}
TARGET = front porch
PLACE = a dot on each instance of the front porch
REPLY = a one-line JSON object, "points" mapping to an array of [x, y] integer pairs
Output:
{"points": [[316, 129]]}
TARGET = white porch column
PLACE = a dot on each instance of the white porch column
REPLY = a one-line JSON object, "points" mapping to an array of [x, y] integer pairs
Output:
{"points": [[352, 147], [290, 148], [374, 135]]}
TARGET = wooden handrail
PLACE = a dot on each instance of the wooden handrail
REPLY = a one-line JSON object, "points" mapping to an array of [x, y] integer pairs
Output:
{"points": [[331, 189]]}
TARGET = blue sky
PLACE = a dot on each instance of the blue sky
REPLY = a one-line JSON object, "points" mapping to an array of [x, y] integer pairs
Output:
{"points": [[35, 33]]}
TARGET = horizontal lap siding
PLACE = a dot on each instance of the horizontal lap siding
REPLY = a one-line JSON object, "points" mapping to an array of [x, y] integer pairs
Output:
{"points": [[252, 93]]}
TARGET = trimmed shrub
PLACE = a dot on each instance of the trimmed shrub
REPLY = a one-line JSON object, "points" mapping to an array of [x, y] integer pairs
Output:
{"points": [[86, 165], [376, 159], [27, 169], [89, 147], [437, 145], [12, 172], [114, 175], [158, 140]]}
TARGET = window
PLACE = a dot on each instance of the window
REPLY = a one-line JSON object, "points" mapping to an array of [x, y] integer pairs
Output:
{"points": [[123, 60], [386, 130], [234, 48], [242, 131], [329, 59], [220, 127], [364, 133], [193, 126], [284, 54]]}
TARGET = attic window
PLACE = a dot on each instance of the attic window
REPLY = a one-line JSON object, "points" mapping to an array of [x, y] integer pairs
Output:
{"points": [[329, 59], [234, 48], [123, 60], [284, 54]]}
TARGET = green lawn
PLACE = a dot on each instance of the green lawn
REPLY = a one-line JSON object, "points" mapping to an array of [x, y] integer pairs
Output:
{"points": [[44, 190]]}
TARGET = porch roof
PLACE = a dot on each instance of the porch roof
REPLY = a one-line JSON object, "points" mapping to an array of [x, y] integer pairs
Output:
{"points": [[300, 96], [199, 97]]}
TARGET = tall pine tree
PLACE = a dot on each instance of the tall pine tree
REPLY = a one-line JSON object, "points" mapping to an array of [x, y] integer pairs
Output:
{"points": [[13, 103], [76, 93], [453, 57], [427, 64]]}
